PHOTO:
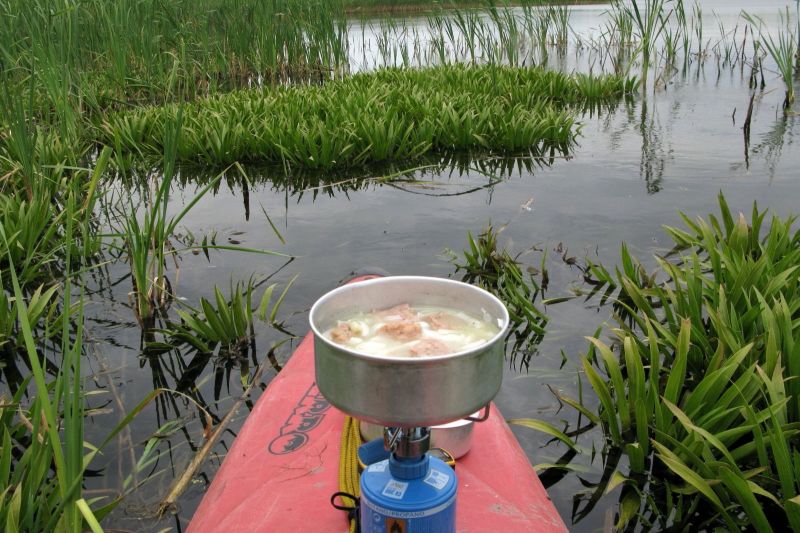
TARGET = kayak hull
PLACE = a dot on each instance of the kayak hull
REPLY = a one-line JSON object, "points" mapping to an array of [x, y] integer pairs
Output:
{"points": [[283, 468]]}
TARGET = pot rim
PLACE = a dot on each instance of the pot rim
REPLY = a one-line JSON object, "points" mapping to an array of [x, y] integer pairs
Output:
{"points": [[504, 318]]}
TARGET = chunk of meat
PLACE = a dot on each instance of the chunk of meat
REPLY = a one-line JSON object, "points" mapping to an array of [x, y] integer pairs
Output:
{"points": [[443, 320], [430, 347], [398, 312], [402, 330], [342, 333]]}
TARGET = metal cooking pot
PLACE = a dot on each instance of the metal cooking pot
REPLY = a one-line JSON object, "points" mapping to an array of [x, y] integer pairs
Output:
{"points": [[402, 391]]}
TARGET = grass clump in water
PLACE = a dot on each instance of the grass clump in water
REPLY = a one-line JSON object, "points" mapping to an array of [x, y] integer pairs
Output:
{"points": [[226, 324], [783, 49], [148, 233], [43, 454], [700, 386], [384, 116], [493, 268]]}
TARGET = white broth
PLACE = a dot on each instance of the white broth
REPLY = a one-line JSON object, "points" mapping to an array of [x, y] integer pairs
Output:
{"points": [[412, 331]]}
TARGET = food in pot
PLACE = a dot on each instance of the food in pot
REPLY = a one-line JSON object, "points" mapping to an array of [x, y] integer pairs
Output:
{"points": [[412, 331]]}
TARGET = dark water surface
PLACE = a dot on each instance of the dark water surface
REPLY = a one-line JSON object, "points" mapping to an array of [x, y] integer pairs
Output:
{"points": [[635, 167]]}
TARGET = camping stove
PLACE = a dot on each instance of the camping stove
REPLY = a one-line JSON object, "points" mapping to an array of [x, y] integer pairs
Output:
{"points": [[410, 490], [405, 489]]}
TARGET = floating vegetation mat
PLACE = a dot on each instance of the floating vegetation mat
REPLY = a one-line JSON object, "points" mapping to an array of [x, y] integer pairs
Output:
{"points": [[383, 116]]}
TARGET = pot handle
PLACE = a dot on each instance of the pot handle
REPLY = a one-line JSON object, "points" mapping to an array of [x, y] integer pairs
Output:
{"points": [[483, 417]]}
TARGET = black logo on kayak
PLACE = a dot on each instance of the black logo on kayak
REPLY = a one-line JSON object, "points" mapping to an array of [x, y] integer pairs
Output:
{"points": [[306, 415]]}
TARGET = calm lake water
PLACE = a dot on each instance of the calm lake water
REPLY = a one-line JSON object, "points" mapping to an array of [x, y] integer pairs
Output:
{"points": [[636, 166]]}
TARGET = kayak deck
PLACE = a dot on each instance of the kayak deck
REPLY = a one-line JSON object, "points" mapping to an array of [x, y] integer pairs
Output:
{"points": [[283, 468]]}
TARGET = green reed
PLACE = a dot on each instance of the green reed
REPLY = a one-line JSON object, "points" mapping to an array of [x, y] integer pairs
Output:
{"points": [[69, 70], [699, 388], [649, 21], [683, 25], [697, 24], [43, 452], [148, 233], [620, 25], [191, 47], [384, 116], [509, 37], [226, 325], [559, 22], [69, 63], [42, 449], [783, 49], [797, 33], [34, 498]]}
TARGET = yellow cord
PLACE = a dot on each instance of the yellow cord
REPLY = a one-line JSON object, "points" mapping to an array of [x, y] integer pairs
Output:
{"points": [[348, 460]]}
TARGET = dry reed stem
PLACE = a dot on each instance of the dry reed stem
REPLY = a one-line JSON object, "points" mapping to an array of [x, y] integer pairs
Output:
{"points": [[181, 483]]}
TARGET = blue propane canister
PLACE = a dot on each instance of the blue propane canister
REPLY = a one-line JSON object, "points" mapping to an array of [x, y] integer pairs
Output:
{"points": [[415, 495]]}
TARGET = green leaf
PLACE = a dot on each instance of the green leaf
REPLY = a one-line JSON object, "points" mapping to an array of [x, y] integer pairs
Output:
{"points": [[274, 312], [13, 512], [88, 516], [562, 466], [618, 384], [609, 414], [577, 406], [740, 488], [690, 427], [688, 475], [617, 479], [677, 374], [557, 300], [628, 508], [224, 314], [5, 460], [214, 320], [544, 427], [264, 305]]}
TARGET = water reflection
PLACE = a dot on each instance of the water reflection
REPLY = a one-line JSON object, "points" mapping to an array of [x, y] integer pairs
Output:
{"points": [[773, 141], [453, 174], [653, 159]]}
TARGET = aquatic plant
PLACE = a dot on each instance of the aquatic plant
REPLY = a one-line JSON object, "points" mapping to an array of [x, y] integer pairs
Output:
{"points": [[64, 66], [509, 35], [226, 323], [44, 318], [699, 388], [649, 22], [797, 33], [697, 25], [192, 47], [783, 50], [619, 25], [683, 25], [42, 463], [148, 234], [147, 238], [559, 22], [490, 267], [72, 84], [382, 116], [42, 445]]}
